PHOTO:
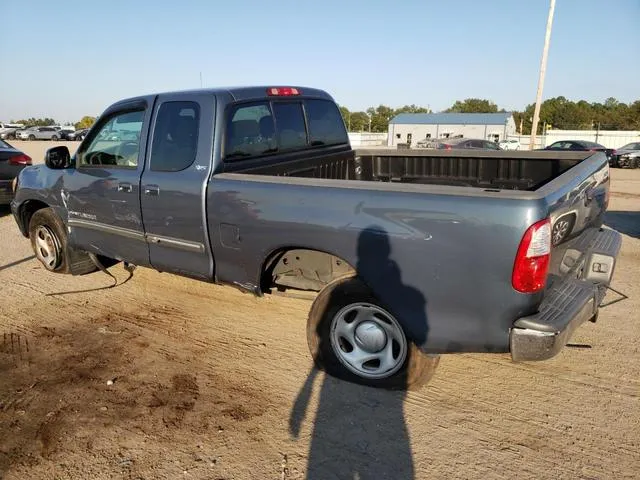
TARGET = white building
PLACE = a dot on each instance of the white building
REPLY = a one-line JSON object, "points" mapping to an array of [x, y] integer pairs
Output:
{"points": [[487, 126]]}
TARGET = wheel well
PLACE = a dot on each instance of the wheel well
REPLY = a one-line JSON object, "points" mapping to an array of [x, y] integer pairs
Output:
{"points": [[26, 212], [301, 269]]}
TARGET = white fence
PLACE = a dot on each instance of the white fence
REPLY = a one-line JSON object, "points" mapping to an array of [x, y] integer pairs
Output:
{"points": [[607, 138], [366, 139], [525, 141]]}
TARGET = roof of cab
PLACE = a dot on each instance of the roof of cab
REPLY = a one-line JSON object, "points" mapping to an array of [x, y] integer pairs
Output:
{"points": [[236, 93]]}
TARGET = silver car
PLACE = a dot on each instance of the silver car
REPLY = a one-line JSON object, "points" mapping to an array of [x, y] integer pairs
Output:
{"points": [[38, 133]]}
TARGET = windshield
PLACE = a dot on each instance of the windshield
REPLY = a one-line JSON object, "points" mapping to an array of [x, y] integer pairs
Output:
{"points": [[4, 145]]}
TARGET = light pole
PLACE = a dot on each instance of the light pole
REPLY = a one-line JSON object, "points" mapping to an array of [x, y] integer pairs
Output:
{"points": [[543, 68]]}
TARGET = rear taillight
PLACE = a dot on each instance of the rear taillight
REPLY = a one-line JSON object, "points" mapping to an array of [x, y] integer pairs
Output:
{"points": [[532, 260], [20, 160]]}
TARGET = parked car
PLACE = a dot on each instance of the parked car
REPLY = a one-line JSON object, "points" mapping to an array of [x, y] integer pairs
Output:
{"points": [[38, 133], [79, 134], [413, 253], [509, 144], [8, 130], [12, 161], [627, 156], [466, 143], [66, 134], [582, 145]]}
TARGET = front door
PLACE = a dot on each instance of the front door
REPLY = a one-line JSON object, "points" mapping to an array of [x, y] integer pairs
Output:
{"points": [[174, 184], [102, 194]]}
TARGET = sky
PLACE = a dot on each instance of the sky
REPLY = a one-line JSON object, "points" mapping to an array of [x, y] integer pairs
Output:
{"points": [[65, 61]]}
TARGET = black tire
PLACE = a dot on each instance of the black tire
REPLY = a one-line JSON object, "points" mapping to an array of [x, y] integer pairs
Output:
{"points": [[417, 369], [45, 226], [32, 137], [54, 138]]}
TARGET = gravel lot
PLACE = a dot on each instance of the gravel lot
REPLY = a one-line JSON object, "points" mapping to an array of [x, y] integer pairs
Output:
{"points": [[165, 377]]}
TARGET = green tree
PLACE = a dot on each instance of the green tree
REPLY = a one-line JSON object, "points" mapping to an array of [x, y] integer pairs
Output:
{"points": [[473, 105], [411, 109], [359, 122], [85, 122], [379, 117]]}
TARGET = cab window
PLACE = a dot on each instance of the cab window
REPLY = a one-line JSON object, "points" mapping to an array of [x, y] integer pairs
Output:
{"points": [[116, 143], [175, 136]]}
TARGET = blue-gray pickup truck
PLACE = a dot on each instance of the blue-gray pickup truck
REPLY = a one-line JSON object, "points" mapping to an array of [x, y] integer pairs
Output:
{"points": [[413, 253]]}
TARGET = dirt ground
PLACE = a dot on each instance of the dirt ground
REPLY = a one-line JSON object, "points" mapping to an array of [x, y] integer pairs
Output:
{"points": [[164, 377]]}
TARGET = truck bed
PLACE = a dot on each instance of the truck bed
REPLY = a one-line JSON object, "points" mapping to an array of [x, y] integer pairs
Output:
{"points": [[512, 170]]}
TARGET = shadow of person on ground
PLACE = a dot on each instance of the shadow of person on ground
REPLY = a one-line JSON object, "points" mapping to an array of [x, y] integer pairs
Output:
{"points": [[624, 222], [360, 432]]}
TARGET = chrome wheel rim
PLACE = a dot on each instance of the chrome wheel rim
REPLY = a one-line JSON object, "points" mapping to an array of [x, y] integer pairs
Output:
{"points": [[47, 247], [560, 230], [368, 341]]}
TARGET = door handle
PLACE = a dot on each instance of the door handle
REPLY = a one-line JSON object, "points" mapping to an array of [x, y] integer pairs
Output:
{"points": [[125, 187], [152, 190]]}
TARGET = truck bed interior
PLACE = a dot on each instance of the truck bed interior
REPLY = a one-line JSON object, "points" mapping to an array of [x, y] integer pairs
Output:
{"points": [[502, 170]]}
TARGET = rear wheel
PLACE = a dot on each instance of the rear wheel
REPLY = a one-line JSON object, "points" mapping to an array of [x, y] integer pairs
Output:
{"points": [[353, 337], [49, 242], [54, 138]]}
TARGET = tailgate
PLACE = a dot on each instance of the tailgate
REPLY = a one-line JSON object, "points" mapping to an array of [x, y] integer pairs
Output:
{"points": [[577, 201]]}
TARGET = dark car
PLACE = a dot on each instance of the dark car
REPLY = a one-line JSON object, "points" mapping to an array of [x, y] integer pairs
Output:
{"points": [[627, 156], [582, 146], [467, 143], [12, 161], [79, 134], [66, 134]]}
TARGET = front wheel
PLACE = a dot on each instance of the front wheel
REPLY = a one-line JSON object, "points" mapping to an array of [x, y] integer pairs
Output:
{"points": [[49, 242], [54, 138], [32, 137], [353, 337]]}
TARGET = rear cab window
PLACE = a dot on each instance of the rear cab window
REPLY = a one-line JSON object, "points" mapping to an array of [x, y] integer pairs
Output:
{"points": [[278, 126], [175, 137]]}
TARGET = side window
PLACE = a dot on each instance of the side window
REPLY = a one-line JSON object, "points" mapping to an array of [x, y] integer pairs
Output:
{"points": [[326, 126], [290, 126], [116, 143], [175, 136], [250, 131]]}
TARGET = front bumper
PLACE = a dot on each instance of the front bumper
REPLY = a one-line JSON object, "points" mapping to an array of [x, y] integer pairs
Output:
{"points": [[567, 303]]}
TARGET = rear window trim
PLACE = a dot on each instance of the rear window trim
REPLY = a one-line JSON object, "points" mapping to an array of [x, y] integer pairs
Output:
{"points": [[232, 106]]}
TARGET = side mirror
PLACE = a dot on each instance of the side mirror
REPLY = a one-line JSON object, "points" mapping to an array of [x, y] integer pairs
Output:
{"points": [[58, 158]]}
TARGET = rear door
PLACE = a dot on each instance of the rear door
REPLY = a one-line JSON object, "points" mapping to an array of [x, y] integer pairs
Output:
{"points": [[174, 185]]}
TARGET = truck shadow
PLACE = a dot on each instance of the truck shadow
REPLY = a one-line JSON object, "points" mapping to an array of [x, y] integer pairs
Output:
{"points": [[627, 223], [360, 432], [5, 210]]}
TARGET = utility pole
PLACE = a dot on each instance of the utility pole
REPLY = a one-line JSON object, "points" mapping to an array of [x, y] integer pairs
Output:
{"points": [[200, 79], [543, 68]]}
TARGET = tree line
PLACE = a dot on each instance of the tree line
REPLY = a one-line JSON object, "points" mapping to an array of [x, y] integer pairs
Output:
{"points": [[559, 113], [85, 122]]}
